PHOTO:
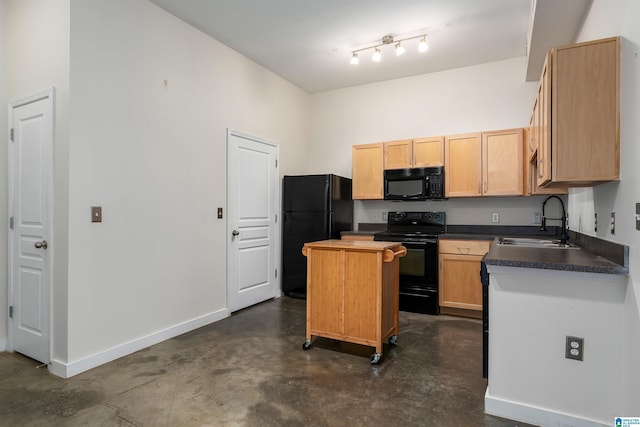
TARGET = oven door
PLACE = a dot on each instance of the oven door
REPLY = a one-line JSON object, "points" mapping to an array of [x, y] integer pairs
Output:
{"points": [[419, 267], [419, 277]]}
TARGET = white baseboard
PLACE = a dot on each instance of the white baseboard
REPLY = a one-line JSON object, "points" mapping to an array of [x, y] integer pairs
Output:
{"points": [[66, 370], [3, 345], [535, 415]]}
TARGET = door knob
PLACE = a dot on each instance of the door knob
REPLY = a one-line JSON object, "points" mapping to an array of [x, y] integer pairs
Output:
{"points": [[42, 245], [235, 232]]}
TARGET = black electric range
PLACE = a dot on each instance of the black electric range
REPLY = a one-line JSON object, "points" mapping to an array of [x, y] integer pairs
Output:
{"points": [[418, 232]]}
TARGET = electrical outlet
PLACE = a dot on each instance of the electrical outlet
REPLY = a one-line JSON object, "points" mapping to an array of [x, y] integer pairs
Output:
{"points": [[574, 348], [495, 217], [537, 218], [613, 223], [384, 216]]}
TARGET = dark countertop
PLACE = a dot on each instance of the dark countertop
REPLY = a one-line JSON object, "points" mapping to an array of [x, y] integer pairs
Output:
{"points": [[580, 260], [594, 256]]}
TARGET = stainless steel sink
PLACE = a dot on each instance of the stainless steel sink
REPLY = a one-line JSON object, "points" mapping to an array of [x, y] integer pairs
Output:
{"points": [[535, 243]]}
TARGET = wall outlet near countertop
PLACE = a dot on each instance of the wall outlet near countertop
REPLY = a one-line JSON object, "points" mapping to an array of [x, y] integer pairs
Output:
{"points": [[537, 218], [574, 348], [495, 217]]}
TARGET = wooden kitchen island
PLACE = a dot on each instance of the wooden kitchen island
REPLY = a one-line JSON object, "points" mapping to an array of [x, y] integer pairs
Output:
{"points": [[352, 292]]}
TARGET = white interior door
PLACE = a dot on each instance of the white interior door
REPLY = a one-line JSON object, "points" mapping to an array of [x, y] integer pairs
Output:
{"points": [[252, 200], [30, 206]]}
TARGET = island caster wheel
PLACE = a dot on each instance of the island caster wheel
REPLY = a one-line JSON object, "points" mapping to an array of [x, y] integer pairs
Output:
{"points": [[375, 358], [393, 340], [306, 345]]}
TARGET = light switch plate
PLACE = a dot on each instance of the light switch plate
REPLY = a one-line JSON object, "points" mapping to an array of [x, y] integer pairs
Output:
{"points": [[613, 223], [96, 213]]}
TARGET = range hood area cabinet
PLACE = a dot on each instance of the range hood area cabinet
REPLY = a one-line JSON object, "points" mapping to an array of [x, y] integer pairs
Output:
{"points": [[575, 132], [475, 165], [414, 153], [369, 161], [484, 164]]}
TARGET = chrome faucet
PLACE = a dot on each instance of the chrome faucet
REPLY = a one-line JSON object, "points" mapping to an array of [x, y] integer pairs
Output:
{"points": [[564, 237]]}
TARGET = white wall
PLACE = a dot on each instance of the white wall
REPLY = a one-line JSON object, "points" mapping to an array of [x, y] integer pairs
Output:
{"points": [[532, 312], [483, 97], [37, 57], [608, 18], [151, 100]]}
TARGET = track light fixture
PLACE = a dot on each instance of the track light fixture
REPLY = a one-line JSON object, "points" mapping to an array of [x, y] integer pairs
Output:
{"points": [[388, 40]]}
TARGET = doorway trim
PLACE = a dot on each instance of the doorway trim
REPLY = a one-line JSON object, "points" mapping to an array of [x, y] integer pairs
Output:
{"points": [[49, 95]]}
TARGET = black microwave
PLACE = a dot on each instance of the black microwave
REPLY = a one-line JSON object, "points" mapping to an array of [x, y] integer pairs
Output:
{"points": [[414, 184]]}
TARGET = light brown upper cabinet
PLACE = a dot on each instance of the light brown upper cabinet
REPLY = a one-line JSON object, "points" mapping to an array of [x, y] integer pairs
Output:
{"points": [[367, 171], [463, 165], [398, 154], [487, 164], [414, 153], [530, 182], [502, 161], [428, 152], [580, 145]]}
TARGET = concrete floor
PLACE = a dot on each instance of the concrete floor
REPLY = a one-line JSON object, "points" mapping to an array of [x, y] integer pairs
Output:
{"points": [[250, 370]]}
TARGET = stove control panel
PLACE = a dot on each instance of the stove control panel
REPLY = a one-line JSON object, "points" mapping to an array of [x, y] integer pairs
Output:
{"points": [[416, 218]]}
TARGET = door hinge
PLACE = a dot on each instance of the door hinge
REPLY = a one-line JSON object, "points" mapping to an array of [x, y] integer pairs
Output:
{"points": [[276, 273], [11, 134], [276, 217], [276, 159], [11, 311], [11, 223]]}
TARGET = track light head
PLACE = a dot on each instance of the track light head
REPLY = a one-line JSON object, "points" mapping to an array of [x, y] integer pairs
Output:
{"points": [[377, 56], [423, 46]]}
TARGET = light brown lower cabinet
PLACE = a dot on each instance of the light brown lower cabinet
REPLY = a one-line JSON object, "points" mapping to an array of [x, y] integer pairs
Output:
{"points": [[352, 292], [460, 290]]}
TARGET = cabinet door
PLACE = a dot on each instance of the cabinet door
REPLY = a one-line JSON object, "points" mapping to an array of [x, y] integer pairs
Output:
{"points": [[543, 129], [585, 112], [531, 139], [463, 165], [367, 171], [361, 295], [398, 154], [531, 180], [428, 152], [325, 291], [502, 163], [460, 285]]}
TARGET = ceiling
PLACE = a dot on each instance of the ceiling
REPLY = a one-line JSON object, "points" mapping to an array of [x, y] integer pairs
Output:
{"points": [[310, 42]]}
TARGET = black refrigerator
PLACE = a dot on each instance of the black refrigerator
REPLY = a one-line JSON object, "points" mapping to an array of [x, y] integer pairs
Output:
{"points": [[314, 207]]}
